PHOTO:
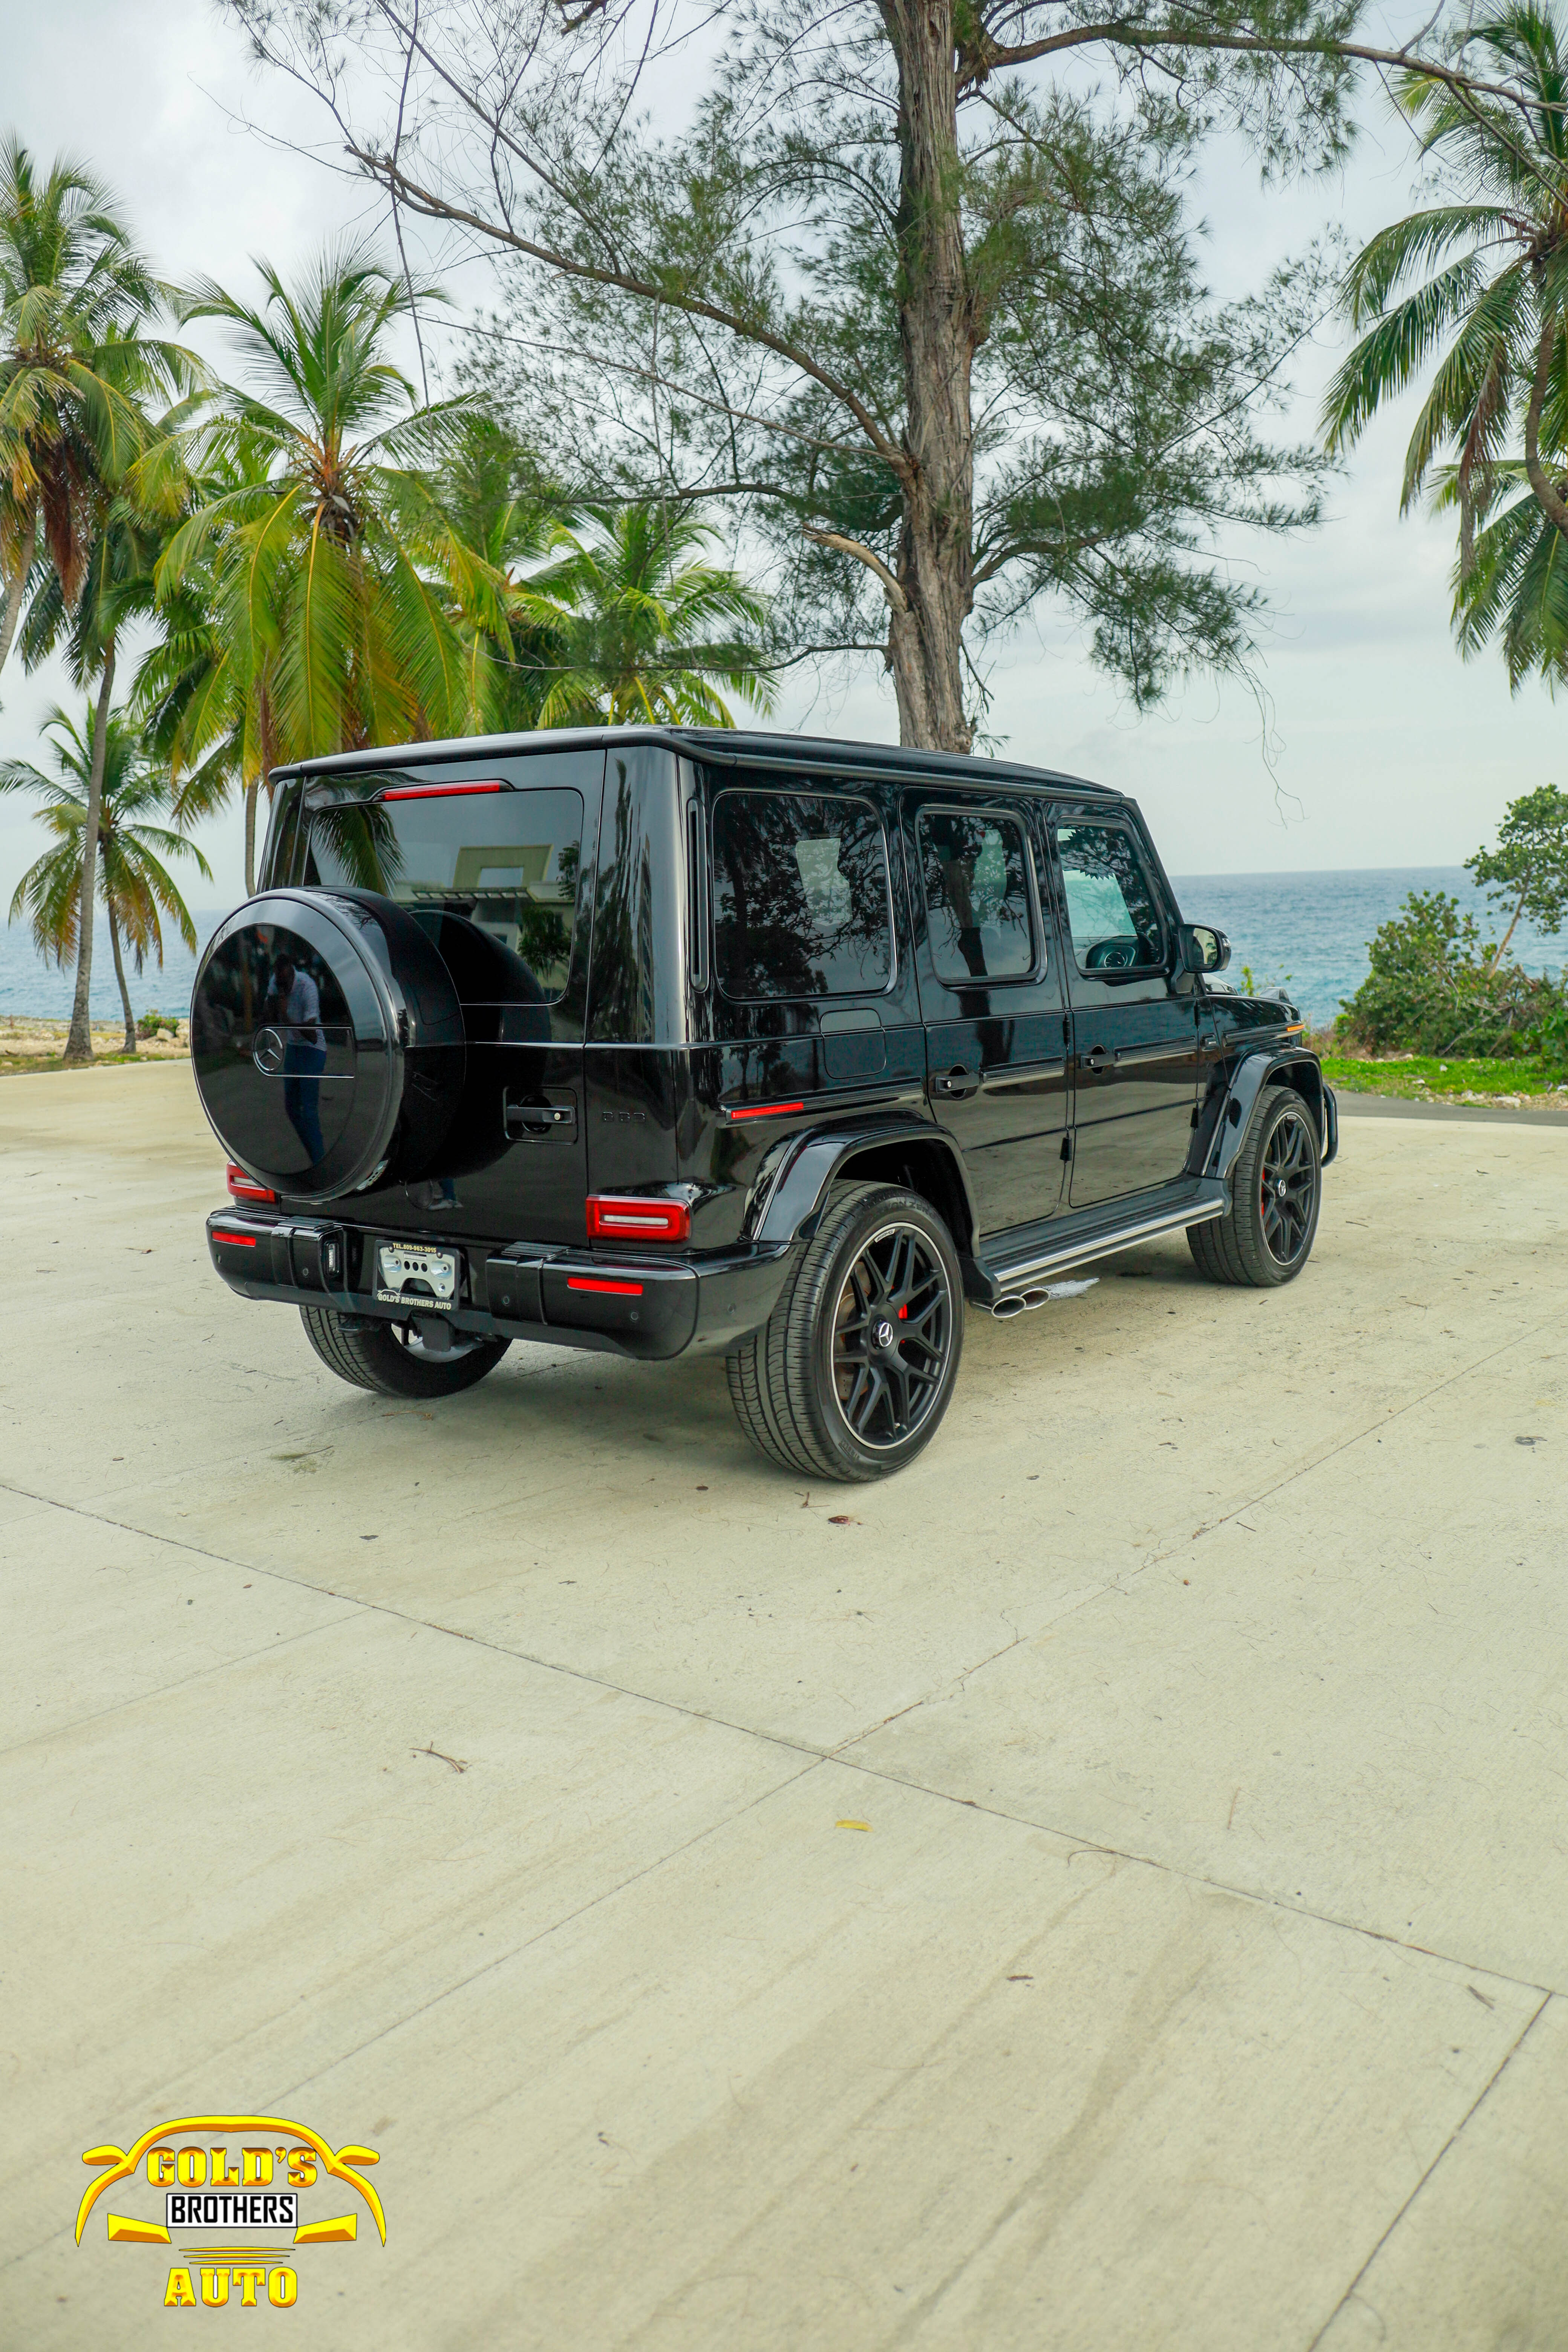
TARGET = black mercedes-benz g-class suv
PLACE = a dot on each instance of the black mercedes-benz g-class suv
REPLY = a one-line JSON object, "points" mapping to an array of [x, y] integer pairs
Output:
{"points": [[660, 1040]]}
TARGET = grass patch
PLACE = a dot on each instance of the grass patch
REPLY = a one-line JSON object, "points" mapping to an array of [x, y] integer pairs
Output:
{"points": [[21, 1066], [1420, 1078]]}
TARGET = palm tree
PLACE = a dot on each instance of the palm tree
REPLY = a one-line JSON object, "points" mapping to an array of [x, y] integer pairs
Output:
{"points": [[137, 885], [345, 607], [75, 369], [116, 587], [498, 506], [76, 372], [635, 609], [1492, 304]]}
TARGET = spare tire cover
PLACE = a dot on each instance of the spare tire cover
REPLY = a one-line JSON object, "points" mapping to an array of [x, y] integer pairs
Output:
{"points": [[327, 1040]]}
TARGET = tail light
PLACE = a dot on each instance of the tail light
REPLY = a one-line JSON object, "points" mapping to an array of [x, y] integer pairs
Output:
{"points": [[242, 1186], [638, 1217]]}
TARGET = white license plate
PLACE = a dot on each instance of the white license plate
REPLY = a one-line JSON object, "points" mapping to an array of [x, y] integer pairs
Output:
{"points": [[409, 1274]]}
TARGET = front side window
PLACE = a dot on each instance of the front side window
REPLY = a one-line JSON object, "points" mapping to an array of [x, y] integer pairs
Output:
{"points": [[977, 895], [1112, 910], [800, 896], [507, 860]]}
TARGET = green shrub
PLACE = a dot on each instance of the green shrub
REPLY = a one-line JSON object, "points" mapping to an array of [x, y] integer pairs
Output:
{"points": [[1549, 1038], [1436, 986], [152, 1023]]}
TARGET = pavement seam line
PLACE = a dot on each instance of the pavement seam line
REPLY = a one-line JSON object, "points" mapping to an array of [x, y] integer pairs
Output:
{"points": [[1075, 1838], [1482, 2096], [353, 1600], [1331, 1453], [397, 2025], [837, 1754], [805, 1748], [141, 1698]]}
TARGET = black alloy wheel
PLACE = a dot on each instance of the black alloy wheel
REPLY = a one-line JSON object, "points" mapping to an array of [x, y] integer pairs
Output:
{"points": [[892, 1329], [1288, 1192], [855, 1368], [1275, 1192]]}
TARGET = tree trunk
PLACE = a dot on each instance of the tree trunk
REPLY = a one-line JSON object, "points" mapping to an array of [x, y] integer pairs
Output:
{"points": [[1513, 925], [16, 596], [119, 975], [250, 790], [1546, 494], [935, 564], [79, 1044]]}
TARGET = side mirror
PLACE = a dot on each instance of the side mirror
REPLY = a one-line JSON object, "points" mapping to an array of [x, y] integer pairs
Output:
{"points": [[1204, 949]]}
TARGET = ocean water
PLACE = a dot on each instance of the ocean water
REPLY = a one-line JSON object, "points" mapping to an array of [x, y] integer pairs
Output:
{"points": [[29, 986], [1310, 930]]}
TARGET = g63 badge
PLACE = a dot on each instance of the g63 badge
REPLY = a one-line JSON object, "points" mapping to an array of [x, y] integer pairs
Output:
{"points": [[234, 2198]]}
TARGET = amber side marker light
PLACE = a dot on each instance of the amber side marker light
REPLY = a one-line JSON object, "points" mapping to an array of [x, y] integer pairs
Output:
{"points": [[246, 1187], [615, 1217]]}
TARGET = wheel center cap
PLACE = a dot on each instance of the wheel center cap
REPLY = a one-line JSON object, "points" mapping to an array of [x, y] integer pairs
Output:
{"points": [[884, 1335]]}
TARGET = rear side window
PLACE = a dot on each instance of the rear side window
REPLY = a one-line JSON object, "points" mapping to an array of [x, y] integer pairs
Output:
{"points": [[1112, 910], [800, 896], [510, 861], [976, 894]]}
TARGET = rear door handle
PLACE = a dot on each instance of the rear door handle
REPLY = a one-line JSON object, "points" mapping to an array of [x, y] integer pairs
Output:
{"points": [[540, 1120], [955, 1085], [1098, 1058]]}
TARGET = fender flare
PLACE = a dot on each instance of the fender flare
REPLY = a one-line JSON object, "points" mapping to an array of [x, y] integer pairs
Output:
{"points": [[790, 1193], [1236, 1096]]}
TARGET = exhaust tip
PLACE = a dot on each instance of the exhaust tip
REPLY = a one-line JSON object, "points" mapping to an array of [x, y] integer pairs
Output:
{"points": [[1005, 1308]]}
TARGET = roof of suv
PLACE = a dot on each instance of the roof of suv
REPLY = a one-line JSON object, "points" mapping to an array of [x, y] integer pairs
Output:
{"points": [[722, 747]]}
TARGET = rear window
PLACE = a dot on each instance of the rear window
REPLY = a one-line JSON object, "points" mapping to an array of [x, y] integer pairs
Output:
{"points": [[976, 894], [510, 861], [800, 896]]}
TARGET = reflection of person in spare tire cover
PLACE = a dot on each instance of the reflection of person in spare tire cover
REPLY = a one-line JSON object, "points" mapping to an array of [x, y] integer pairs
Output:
{"points": [[294, 1002]]}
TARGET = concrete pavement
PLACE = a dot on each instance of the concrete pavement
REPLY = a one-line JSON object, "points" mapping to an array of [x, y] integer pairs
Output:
{"points": [[1106, 1888]]}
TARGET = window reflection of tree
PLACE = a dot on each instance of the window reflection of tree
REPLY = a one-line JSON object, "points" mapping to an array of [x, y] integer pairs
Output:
{"points": [[955, 847], [1105, 855], [359, 839], [775, 934], [355, 844]]}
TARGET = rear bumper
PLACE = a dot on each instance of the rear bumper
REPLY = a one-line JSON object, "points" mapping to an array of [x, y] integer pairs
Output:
{"points": [[642, 1306]]}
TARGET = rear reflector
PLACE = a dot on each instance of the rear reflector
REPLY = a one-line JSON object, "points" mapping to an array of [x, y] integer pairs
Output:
{"points": [[246, 1187], [236, 1240], [438, 792], [614, 1216], [617, 1289], [768, 1110]]}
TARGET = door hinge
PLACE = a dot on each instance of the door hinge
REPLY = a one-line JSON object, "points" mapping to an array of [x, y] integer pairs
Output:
{"points": [[1067, 1147]]}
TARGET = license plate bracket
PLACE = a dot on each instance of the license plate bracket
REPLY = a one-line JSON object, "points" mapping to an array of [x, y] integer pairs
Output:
{"points": [[408, 1274]]}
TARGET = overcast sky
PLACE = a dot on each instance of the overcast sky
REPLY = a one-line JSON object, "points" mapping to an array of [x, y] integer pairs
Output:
{"points": [[1391, 751]]}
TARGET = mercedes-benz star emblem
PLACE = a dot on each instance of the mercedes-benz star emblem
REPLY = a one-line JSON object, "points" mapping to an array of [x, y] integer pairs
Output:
{"points": [[884, 1335], [268, 1052]]}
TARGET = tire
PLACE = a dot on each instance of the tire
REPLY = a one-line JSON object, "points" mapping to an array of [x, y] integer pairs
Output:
{"points": [[1267, 1237], [389, 1357], [818, 1391]]}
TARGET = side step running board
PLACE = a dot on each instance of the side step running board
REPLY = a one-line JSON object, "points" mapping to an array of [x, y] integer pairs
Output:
{"points": [[1020, 1282]]}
